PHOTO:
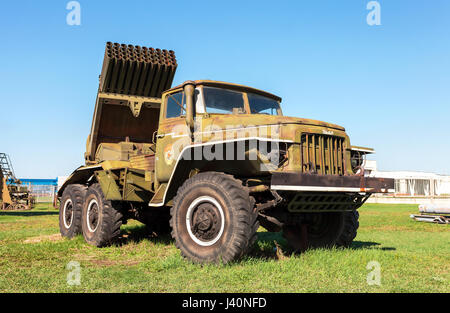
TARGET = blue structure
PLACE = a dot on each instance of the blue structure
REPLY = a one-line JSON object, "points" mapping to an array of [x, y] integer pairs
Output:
{"points": [[39, 182]]}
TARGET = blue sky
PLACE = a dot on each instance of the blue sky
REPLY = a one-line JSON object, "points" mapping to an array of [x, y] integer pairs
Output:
{"points": [[388, 85]]}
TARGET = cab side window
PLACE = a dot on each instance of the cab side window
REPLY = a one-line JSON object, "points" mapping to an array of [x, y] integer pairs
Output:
{"points": [[176, 105]]}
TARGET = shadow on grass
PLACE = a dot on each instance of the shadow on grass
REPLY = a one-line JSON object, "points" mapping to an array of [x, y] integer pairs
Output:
{"points": [[136, 234], [27, 213], [266, 246], [369, 245]]}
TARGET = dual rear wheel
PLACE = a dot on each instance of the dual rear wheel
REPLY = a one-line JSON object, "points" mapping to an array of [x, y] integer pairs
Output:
{"points": [[70, 210], [85, 210], [101, 218]]}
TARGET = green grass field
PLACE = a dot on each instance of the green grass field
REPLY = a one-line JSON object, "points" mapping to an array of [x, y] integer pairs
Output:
{"points": [[414, 257]]}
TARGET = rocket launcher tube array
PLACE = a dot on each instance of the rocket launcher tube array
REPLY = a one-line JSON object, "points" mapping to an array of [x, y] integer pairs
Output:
{"points": [[136, 70], [130, 71]]}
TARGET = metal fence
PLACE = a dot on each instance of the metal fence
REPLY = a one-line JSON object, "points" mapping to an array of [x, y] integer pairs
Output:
{"points": [[43, 193]]}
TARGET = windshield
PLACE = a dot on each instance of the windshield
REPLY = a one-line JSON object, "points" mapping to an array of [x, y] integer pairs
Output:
{"points": [[263, 105], [223, 101]]}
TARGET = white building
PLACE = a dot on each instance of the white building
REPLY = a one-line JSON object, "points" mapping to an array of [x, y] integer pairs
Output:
{"points": [[412, 187]]}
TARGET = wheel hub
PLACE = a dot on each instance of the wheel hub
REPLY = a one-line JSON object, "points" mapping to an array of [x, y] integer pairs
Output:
{"points": [[68, 214], [205, 221], [92, 216]]}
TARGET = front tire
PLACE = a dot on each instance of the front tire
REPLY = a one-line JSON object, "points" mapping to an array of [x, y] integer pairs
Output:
{"points": [[102, 219], [212, 218], [70, 210]]}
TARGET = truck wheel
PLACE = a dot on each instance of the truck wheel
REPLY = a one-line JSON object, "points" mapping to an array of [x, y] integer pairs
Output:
{"points": [[101, 218], [212, 219], [324, 230], [70, 210]]}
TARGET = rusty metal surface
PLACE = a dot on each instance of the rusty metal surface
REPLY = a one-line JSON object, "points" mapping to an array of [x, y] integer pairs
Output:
{"points": [[145, 162], [14, 195], [4, 192], [132, 81], [431, 218], [118, 123], [323, 154], [6, 167], [113, 123], [135, 70], [325, 201], [17, 207]]}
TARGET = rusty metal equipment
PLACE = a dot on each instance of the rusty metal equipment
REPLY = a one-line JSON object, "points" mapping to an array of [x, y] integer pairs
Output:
{"points": [[132, 81], [14, 195], [135, 70], [433, 213]]}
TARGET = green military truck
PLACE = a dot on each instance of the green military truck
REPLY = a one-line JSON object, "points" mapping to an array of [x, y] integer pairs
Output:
{"points": [[209, 162]]}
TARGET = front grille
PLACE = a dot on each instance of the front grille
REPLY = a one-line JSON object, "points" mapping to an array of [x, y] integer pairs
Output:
{"points": [[322, 154]]}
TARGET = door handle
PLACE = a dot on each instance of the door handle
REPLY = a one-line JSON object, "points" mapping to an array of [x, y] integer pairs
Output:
{"points": [[156, 136]]}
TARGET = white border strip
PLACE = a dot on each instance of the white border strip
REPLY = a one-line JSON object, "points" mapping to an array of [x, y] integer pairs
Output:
{"points": [[319, 188], [226, 130], [363, 150], [189, 216], [82, 168]]}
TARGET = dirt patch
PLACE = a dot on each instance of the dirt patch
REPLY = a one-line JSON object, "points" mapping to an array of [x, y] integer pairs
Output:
{"points": [[54, 237]]}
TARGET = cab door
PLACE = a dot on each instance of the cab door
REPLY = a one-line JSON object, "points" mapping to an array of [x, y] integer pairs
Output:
{"points": [[172, 135]]}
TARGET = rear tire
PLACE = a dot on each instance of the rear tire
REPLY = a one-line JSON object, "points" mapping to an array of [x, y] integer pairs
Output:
{"points": [[324, 230], [70, 210], [101, 219], [212, 218]]}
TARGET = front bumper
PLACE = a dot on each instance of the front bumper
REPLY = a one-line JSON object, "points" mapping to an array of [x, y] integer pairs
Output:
{"points": [[331, 183]]}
